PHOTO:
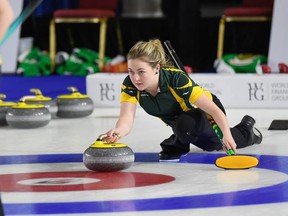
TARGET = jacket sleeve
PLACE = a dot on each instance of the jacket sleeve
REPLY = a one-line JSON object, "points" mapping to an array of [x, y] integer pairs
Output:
{"points": [[128, 92], [187, 89]]}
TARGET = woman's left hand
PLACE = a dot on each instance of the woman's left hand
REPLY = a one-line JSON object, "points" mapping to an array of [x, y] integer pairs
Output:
{"points": [[229, 144]]}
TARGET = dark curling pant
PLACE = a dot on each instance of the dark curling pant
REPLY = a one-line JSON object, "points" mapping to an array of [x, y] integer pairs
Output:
{"points": [[194, 127]]}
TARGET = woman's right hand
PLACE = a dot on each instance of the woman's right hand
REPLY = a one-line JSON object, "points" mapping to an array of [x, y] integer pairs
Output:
{"points": [[111, 136]]}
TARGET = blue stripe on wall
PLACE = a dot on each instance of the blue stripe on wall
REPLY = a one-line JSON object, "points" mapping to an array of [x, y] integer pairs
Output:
{"points": [[15, 87]]}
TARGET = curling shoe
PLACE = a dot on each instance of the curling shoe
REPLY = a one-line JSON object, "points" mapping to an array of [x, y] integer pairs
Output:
{"points": [[255, 135], [171, 157]]}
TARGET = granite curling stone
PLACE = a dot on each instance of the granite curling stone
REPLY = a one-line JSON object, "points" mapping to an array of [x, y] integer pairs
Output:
{"points": [[4, 106], [108, 157], [75, 105], [38, 98], [26, 116]]}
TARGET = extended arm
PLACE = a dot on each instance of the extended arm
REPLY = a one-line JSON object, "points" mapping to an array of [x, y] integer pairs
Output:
{"points": [[208, 106], [124, 123]]}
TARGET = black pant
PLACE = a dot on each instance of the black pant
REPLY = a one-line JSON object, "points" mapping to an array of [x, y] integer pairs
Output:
{"points": [[195, 128]]}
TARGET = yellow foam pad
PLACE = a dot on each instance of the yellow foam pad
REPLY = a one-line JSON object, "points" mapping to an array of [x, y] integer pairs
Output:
{"points": [[236, 162]]}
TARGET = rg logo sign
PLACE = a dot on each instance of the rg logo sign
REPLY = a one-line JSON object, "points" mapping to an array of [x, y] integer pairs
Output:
{"points": [[107, 91], [256, 91]]}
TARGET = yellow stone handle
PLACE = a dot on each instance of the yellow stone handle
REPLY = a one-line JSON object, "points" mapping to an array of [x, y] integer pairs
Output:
{"points": [[2, 96], [101, 137], [36, 91], [26, 97], [100, 144], [72, 89]]}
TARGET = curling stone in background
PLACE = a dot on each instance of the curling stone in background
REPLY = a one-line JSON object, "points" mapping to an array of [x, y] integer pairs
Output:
{"points": [[27, 116], [4, 106], [108, 157], [74, 105], [50, 104]]}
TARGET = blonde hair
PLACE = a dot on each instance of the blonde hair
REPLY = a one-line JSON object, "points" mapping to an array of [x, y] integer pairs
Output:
{"points": [[151, 52]]}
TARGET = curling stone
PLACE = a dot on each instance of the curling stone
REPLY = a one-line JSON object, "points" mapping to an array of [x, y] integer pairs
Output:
{"points": [[4, 106], [27, 116], [108, 157], [40, 99], [74, 105]]}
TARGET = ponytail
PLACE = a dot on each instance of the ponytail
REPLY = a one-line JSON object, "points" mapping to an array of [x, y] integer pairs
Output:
{"points": [[151, 52]]}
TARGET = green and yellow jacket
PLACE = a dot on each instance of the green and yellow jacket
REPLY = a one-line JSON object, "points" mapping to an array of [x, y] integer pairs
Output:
{"points": [[176, 94]]}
